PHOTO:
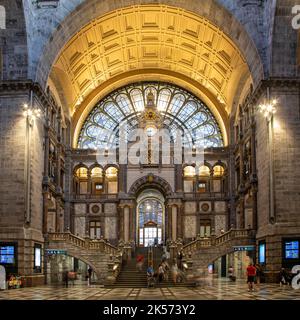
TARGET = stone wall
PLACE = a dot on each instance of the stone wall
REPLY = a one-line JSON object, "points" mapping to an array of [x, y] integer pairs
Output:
{"points": [[286, 151], [284, 41], [13, 224], [13, 42]]}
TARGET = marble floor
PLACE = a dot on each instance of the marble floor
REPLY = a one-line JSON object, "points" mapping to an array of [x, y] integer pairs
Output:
{"points": [[215, 290]]}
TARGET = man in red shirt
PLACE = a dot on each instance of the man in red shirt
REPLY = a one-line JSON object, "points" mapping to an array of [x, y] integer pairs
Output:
{"points": [[251, 273]]}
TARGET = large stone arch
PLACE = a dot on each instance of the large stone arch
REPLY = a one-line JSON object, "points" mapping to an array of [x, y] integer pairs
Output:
{"points": [[83, 88], [86, 260], [88, 11], [151, 181]]}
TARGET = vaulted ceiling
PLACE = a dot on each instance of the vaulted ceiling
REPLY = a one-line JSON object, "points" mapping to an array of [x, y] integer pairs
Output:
{"points": [[155, 37]]}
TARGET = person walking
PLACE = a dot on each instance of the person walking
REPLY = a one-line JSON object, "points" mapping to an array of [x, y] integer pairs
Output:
{"points": [[251, 272], [90, 271], [139, 262], [150, 276], [160, 273]]}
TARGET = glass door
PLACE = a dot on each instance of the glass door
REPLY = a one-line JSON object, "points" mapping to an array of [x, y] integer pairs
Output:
{"points": [[150, 235], [150, 222]]}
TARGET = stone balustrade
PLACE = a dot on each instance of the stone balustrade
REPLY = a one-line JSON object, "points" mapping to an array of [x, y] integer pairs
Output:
{"points": [[232, 234], [100, 245]]}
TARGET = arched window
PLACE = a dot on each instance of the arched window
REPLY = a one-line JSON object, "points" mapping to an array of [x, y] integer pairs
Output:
{"points": [[218, 171], [189, 171], [203, 182], [97, 172], [82, 172], [218, 182], [111, 175], [189, 174], [179, 108], [204, 171], [97, 180], [2, 17], [81, 184]]}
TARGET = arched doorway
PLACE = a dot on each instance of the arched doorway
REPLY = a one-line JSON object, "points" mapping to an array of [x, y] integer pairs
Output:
{"points": [[150, 218]]}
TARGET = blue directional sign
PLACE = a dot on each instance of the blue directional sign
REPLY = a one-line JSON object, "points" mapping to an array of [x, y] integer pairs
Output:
{"points": [[55, 251], [244, 248]]}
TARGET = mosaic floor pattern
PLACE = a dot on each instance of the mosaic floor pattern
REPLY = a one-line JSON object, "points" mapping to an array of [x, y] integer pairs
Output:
{"points": [[216, 290]]}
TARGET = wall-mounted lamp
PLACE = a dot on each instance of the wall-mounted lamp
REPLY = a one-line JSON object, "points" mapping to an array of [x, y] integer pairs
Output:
{"points": [[31, 113], [268, 109]]}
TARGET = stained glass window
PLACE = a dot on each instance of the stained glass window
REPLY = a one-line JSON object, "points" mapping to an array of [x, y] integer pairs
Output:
{"points": [[179, 109], [150, 210]]}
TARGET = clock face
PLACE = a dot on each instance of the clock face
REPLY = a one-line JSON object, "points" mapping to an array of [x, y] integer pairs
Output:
{"points": [[151, 131]]}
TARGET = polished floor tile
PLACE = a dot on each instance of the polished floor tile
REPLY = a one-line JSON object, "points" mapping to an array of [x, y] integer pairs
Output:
{"points": [[214, 290]]}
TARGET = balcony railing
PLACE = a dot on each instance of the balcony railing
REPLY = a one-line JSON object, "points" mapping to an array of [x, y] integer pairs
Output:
{"points": [[112, 196]]}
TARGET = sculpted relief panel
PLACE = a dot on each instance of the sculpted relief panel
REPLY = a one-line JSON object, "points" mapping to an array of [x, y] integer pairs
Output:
{"points": [[190, 207]]}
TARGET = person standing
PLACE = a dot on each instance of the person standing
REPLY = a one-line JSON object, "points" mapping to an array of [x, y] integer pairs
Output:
{"points": [[66, 278], [166, 270], [251, 272], [283, 277], [231, 273], [174, 272], [179, 258], [259, 274]]}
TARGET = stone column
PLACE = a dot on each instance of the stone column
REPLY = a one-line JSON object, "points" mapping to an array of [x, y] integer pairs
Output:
{"points": [[57, 214], [180, 223], [174, 222], [126, 212], [89, 183], [46, 176], [242, 212], [241, 188], [165, 232], [178, 178], [122, 178], [132, 222], [253, 175]]}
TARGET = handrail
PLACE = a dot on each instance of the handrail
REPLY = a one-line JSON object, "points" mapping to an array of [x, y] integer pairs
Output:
{"points": [[101, 244], [150, 256], [225, 237]]}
